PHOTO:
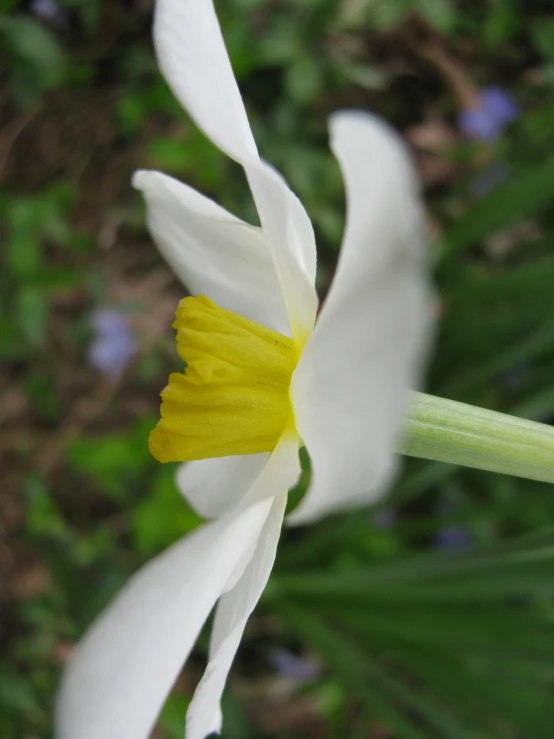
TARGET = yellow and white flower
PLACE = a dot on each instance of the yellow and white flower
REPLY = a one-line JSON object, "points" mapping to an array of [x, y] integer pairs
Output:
{"points": [[262, 379]]}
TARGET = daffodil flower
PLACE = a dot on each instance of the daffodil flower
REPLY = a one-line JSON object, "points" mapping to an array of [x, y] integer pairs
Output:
{"points": [[262, 379]]}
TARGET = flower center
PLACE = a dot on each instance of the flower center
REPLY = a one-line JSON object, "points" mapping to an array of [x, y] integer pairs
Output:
{"points": [[233, 397]]}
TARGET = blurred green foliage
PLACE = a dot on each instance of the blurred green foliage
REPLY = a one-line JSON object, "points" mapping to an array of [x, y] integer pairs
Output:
{"points": [[414, 641]]}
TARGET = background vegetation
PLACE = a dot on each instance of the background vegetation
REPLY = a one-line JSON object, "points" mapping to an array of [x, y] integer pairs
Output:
{"points": [[428, 616]]}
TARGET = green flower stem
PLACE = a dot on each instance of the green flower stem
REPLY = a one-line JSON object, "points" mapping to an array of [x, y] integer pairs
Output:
{"points": [[447, 431]]}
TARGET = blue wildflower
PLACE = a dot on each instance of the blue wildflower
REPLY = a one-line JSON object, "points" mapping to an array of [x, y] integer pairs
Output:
{"points": [[486, 121], [114, 344], [292, 666], [453, 537]]}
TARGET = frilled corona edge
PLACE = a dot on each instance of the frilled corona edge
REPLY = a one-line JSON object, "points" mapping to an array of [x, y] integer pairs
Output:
{"points": [[233, 397]]}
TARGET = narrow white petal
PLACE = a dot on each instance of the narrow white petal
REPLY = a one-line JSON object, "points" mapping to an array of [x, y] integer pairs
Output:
{"points": [[350, 389], [213, 486], [279, 475], [290, 237], [193, 58], [281, 472], [212, 252], [123, 670], [194, 61], [233, 610]]}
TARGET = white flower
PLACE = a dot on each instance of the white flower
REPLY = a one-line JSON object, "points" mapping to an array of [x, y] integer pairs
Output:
{"points": [[349, 378]]}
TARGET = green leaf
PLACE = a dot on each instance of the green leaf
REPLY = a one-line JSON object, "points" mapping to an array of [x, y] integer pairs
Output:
{"points": [[38, 60], [115, 461], [32, 313], [172, 717], [521, 567], [89, 12], [542, 33], [353, 668], [162, 516], [43, 515], [440, 14], [41, 389], [303, 80], [131, 112], [17, 694], [191, 153], [502, 23], [451, 644], [519, 197], [367, 76], [387, 14], [23, 247]]}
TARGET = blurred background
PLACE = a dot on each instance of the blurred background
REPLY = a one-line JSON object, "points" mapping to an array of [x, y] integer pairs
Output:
{"points": [[429, 616]]}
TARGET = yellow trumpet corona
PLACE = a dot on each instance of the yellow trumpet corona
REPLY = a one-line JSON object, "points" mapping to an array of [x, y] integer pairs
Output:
{"points": [[233, 397]]}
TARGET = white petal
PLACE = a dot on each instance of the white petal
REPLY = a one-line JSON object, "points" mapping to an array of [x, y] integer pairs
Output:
{"points": [[290, 237], [233, 610], [127, 663], [193, 58], [277, 477], [194, 61], [213, 486], [350, 389], [212, 252], [280, 473]]}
